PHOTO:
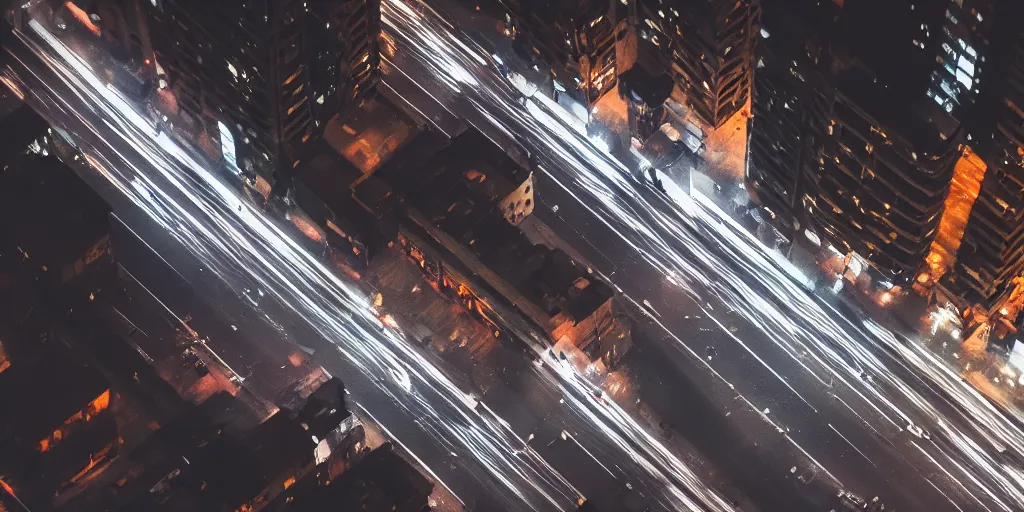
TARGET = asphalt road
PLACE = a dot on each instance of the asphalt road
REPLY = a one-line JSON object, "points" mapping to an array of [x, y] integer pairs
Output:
{"points": [[834, 401], [230, 249], [826, 395]]}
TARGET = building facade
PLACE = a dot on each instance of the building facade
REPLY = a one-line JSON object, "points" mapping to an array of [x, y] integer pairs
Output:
{"points": [[707, 46], [574, 39], [876, 187], [779, 144], [991, 253], [962, 50], [595, 32], [349, 54], [846, 146], [272, 72]]}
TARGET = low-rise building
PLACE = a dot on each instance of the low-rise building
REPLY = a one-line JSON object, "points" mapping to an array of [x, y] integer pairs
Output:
{"points": [[461, 234], [212, 458], [355, 211], [58, 242], [56, 426], [381, 482]]}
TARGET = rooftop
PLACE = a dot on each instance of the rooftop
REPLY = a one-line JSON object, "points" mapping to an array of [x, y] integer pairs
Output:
{"points": [[37, 396], [52, 236]]}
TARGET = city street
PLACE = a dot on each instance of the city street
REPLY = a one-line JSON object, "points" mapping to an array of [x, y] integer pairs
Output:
{"points": [[805, 400], [840, 397], [470, 447]]}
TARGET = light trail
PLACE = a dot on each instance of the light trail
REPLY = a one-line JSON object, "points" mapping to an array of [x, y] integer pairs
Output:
{"points": [[688, 239], [236, 240], [894, 386], [255, 256]]}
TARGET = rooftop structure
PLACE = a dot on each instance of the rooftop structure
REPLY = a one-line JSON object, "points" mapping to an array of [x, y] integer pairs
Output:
{"points": [[472, 171], [356, 211], [211, 459], [60, 242]]}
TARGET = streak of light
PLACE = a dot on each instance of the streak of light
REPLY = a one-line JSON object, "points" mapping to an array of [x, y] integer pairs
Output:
{"points": [[230, 236], [852, 445], [687, 237], [180, 192]]}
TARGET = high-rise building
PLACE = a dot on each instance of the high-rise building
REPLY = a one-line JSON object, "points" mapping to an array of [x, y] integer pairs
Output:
{"points": [[541, 28], [962, 49], [991, 253], [844, 140], [347, 52], [877, 185], [596, 32], [575, 39], [270, 73], [707, 46], [787, 75]]}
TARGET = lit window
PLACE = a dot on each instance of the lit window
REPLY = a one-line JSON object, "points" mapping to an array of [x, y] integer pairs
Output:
{"points": [[227, 147], [966, 65], [964, 78]]}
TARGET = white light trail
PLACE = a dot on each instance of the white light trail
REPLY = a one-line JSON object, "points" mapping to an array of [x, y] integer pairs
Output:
{"points": [[713, 257], [236, 241], [240, 243]]}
